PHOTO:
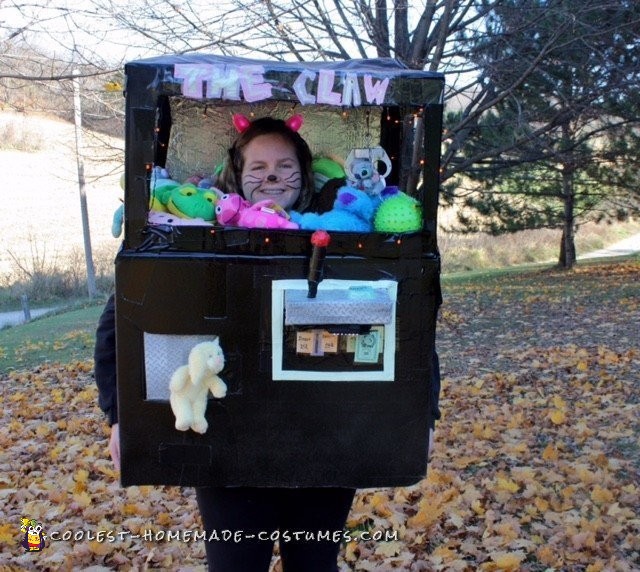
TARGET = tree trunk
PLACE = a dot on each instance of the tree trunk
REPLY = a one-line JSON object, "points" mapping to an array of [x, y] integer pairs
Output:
{"points": [[567, 245], [567, 250]]}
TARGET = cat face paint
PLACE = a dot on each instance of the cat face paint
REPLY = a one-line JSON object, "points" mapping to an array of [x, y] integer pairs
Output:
{"points": [[271, 171]]}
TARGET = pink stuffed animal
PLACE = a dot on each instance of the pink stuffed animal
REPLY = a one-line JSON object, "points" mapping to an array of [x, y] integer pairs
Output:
{"points": [[233, 210]]}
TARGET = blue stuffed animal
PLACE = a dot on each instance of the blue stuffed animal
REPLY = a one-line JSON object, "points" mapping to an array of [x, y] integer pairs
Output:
{"points": [[352, 211]]}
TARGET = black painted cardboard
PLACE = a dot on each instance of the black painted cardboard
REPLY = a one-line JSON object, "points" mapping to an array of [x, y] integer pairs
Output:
{"points": [[216, 282]]}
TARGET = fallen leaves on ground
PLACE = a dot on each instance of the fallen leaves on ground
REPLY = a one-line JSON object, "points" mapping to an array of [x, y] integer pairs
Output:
{"points": [[537, 462]]}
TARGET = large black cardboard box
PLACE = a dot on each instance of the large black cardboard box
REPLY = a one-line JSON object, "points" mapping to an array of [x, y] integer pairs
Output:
{"points": [[341, 400]]}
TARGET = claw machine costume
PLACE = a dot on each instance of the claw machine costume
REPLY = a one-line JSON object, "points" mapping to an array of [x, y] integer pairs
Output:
{"points": [[322, 369]]}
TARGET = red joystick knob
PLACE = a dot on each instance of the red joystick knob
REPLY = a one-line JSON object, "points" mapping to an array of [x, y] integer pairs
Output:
{"points": [[320, 240]]}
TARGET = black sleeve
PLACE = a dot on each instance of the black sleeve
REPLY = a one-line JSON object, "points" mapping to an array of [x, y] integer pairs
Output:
{"points": [[435, 390], [105, 361], [435, 365]]}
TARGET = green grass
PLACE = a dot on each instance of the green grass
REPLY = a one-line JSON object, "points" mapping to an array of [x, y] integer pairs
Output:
{"points": [[480, 276], [63, 337], [524, 285]]}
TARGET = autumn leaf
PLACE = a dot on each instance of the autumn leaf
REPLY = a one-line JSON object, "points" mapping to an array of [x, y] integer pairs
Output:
{"points": [[82, 499], [100, 548], [380, 505], [557, 416], [601, 495], [7, 533], [507, 485], [392, 548], [508, 561], [559, 403], [550, 453]]}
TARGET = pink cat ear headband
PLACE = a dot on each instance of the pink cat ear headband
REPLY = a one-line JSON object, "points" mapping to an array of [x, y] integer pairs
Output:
{"points": [[242, 123]]}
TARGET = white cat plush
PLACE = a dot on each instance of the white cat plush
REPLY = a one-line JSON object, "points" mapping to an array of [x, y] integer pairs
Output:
{"points": [[191, 383]]}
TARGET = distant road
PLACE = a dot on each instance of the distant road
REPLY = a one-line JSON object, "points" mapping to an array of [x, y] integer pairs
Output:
{"points": [[17, 318], [625, 247]]}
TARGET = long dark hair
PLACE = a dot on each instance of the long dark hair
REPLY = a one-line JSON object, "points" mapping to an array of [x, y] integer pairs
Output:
{"points": [[230, 179]]}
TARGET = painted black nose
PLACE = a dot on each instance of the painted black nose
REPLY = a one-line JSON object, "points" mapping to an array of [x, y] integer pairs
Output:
{"points": [[271, 178]]}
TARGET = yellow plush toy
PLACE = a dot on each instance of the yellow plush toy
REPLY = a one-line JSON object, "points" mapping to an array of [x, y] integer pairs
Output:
{"points": [[191, 383]]}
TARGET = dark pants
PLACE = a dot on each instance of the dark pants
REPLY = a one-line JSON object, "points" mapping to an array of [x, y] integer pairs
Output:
{"points": [[247, 521]]}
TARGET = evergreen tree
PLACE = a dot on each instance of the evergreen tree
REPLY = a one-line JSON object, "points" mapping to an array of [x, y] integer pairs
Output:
{"points": [[563, 147]]}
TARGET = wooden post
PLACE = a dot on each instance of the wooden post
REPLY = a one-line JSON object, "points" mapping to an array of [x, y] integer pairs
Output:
{"points": [[91, 276], [24, 299]]}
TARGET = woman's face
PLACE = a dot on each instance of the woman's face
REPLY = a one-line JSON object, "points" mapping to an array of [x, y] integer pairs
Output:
{"points": [[271, 171]]}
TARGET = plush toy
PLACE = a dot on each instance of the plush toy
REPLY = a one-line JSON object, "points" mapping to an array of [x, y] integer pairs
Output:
{"points": [[233, 210], [117, 221], [191, 383], [188, 201], [161, 185], [352, 211], [118, 216], [363, 175], [362, 171], [398, 213], [157, 218], [201, 180], [324, 169]]}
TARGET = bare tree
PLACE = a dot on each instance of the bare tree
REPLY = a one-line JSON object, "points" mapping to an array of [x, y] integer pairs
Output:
{"points": [[435, 34]]}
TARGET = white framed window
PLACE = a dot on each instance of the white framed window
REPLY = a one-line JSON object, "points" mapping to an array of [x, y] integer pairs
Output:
{"points": [[346, 333]]}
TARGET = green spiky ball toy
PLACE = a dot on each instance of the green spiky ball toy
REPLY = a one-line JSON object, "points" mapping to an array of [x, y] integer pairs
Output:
{"points": [[397, 214]]}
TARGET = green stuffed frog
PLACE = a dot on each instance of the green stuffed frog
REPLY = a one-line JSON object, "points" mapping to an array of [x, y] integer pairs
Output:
{"points": [[189, 201]]}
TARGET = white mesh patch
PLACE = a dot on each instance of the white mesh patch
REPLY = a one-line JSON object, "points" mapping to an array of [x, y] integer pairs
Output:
{"points": [[163, 354], [337, 307]]}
